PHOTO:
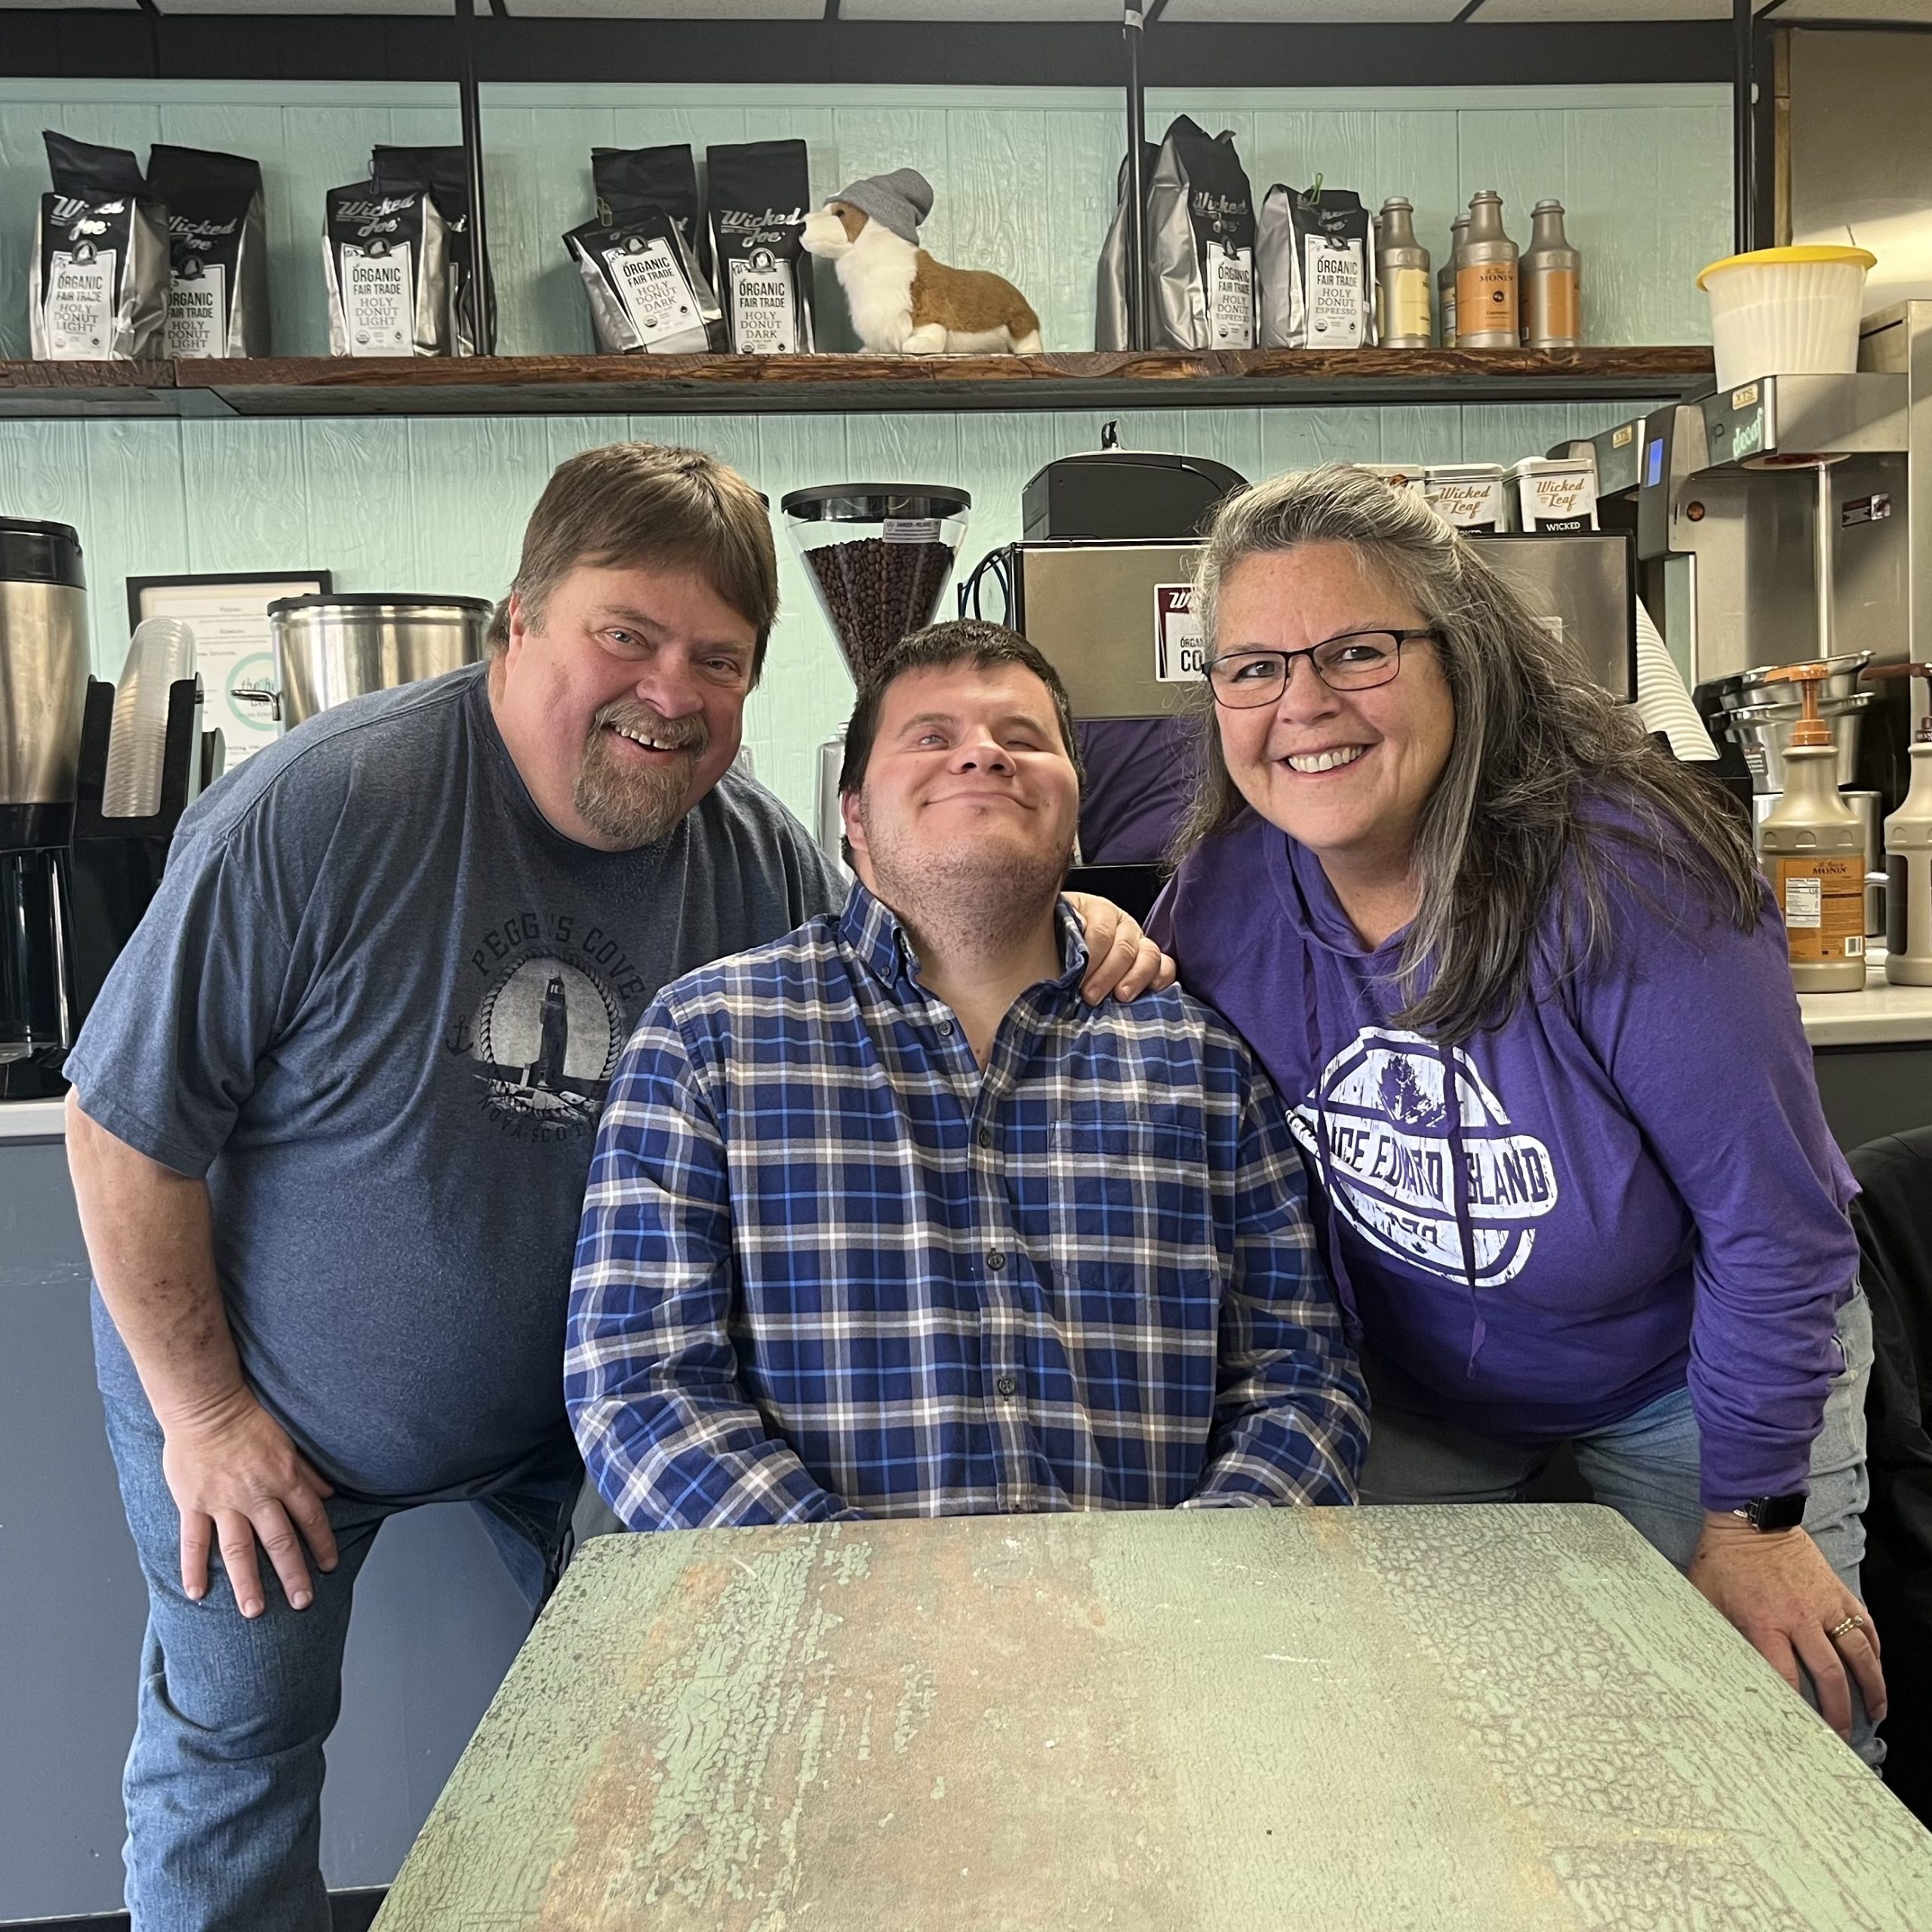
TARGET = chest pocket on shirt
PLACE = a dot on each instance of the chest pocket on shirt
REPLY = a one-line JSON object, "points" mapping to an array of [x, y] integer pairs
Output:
{"points": [[1112, 1130], [1125, 1181]]}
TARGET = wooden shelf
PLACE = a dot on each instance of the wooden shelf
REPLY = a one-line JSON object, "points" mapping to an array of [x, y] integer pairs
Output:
{"points": [[701, 384]]}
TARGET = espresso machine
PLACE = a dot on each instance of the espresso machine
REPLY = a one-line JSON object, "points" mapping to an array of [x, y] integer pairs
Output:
{"points": [[74, 882], [1104, 587], [1775, 513]]}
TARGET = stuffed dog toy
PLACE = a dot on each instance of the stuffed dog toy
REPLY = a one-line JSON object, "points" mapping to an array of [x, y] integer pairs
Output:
{"points": [[902, 301]]}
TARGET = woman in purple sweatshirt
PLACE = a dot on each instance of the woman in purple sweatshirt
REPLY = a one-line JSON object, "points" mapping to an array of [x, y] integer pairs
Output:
{"points": [[1526, 994]]}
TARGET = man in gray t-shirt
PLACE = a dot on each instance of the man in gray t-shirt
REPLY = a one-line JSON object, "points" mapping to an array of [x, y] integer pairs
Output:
{"points": [[333, 1112]]}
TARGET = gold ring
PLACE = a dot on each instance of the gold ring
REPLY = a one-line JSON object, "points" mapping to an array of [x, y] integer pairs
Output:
{"points": [[1838, 1629]]}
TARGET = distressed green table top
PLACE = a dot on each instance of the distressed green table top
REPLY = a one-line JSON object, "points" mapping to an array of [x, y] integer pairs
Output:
{"points": [[1479, 1718]]}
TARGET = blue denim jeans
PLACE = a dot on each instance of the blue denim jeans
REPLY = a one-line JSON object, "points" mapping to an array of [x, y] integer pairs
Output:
{"points": [[223, 1785], [1646, 1468]]}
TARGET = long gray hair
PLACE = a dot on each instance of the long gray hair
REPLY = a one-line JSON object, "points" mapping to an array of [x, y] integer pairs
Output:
{"points": [[1509, 828]]}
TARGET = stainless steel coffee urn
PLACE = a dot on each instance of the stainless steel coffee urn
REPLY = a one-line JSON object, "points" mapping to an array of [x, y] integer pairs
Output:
{"points": [[43, 691], [343, 646]]}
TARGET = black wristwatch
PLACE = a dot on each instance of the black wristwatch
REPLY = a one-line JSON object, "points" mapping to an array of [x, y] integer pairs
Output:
{"points": [[1773, 1512]]}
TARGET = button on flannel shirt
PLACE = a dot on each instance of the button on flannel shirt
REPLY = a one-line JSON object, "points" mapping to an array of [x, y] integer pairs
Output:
{"points": [[828, 1267]]}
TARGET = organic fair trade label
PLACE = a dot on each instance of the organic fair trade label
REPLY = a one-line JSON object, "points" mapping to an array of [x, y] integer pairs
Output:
{"points": [[378, 300], [197, 316], [1823, 899], [1180, 647], [1231, 297], [651, 285], [763, 320], [1334, 292], [80, 304]]}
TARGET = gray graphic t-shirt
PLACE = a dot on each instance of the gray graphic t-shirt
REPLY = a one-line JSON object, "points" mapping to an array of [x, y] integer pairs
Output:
{"points": [[377, 1003]]}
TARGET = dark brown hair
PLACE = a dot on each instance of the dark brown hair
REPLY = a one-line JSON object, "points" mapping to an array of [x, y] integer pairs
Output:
{"points": [[1551, 787], [653, 504], [963, 640]]}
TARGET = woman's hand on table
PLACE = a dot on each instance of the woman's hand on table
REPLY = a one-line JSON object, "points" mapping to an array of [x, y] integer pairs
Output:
{"points": [[1121, 959], [1778, 1589]]}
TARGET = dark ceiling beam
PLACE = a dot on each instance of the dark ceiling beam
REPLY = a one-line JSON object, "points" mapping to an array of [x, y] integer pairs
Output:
{"points": [[95, 45]]}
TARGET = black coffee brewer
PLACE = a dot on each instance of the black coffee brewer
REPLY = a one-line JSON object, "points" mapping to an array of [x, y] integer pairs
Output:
{"points": [[73, 884]]}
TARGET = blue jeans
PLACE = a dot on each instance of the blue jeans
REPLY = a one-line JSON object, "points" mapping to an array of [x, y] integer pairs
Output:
{"points": [[224, 1783], [1646, 1468]]}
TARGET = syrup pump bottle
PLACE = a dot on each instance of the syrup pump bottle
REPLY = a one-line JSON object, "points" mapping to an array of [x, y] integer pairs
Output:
{"points": [[1488, 305], [1813, 845], [1909, 855], [1445, 280], [1401, 278]]}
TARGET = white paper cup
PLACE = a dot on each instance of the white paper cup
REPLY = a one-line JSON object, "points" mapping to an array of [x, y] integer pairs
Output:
{"points": [[1785, 311]]}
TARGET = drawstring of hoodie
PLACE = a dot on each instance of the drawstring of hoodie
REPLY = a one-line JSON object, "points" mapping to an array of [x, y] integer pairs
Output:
{"points": [[1459, 1189], [1338, 1266]]}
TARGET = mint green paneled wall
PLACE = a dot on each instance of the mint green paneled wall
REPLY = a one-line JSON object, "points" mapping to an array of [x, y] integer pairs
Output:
{"points": [[1024, 176], [1024, 183], [440, 505]]}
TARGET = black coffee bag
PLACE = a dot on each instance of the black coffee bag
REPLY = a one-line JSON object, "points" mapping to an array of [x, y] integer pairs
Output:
{"points": [[646, 293], [99, 272], [1315, 252], [444, 172], [1200, 231], [629, 180], [387, 257], [756, 197], [218, 247]]}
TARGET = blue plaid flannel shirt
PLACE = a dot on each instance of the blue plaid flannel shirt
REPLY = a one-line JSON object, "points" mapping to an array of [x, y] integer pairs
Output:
{"points": [[828, 1268]]}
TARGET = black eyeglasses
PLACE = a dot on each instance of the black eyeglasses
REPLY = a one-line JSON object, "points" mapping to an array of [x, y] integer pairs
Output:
{"points": [[1357, 661]]}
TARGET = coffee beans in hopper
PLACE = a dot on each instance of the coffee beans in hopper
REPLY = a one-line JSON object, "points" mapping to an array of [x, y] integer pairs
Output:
{"points": [[876, 592]]}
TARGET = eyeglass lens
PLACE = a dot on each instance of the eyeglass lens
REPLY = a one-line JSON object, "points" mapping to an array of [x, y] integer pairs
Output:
{"points": [[1355, 662]]}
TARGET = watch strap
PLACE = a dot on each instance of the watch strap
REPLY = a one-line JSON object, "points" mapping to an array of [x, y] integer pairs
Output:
{"points": [[1773, 1512]]}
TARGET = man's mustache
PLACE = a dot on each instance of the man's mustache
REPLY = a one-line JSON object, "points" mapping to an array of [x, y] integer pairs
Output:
{"points": [[686, 734]]}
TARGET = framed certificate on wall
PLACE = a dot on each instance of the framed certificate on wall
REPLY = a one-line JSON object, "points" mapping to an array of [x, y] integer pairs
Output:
{"points": [[229, 614]]}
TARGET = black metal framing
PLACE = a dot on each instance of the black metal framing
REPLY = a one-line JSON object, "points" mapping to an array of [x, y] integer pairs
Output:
{"points": [[80, 43], [151, 44], [1134, 31], [483, 291]]}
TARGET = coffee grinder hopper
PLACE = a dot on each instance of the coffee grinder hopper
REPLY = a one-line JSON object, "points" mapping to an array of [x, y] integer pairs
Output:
{"points": [[879, 555]]}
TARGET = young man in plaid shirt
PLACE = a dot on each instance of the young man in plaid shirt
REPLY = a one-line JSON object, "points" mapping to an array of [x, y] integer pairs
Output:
{"points": [[884, 1220]]}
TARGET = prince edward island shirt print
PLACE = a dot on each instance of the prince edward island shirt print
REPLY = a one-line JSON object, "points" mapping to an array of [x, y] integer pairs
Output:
{"points": [[1390, 1122]]}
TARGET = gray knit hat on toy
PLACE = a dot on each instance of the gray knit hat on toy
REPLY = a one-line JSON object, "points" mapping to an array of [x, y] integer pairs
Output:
{"points": [[899, 201]]}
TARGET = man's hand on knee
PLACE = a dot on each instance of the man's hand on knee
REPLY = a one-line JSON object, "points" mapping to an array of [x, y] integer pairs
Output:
{"points": [[236, 1477]]}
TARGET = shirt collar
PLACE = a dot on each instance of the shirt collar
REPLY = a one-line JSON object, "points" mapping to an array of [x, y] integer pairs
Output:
{"points": [[871, 931]]}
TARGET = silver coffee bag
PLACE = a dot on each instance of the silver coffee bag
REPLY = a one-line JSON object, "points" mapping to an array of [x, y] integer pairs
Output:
{"points": [[445, 173], [646, 293], [1315, 256], [387, 255], [99, 272], [756, 196], [1200, 231], [217, 237], [1110, 291]]}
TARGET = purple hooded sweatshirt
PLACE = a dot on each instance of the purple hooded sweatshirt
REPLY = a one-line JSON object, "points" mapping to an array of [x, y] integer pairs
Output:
{"points": [[1542, 1230]]}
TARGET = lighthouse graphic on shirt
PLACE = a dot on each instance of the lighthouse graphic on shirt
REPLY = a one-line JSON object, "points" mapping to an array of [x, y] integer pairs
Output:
{"points": [[1377, 1131]]}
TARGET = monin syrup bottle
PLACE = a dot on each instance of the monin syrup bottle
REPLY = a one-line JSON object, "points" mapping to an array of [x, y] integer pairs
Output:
{"points": [[1401, 267], [1445, 280], [1487, 308], [1552, 284]]}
